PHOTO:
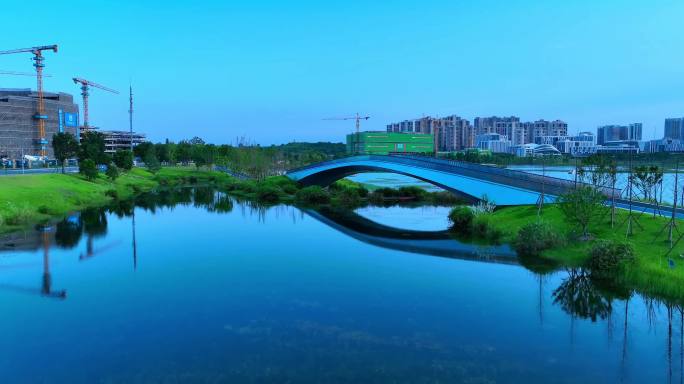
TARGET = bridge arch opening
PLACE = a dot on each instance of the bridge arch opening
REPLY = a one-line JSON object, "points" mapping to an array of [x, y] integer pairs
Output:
{"points": [[329, 176]]}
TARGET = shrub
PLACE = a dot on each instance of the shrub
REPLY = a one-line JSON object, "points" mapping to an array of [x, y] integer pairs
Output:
{"points": [[349, 197], [290, 189], [461, 219], [607, 257], [413, 192], [282, 183], [112, 193], [534, 238], [268, 193], [88, 168], [44, 209], [17, 215], [485, 205], [445, 198], [312, 195], [481, 227], [112, 172]]}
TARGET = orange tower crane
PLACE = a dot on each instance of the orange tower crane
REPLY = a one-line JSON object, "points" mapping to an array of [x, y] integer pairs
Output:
{"points": [[85, 88], [38, 64], [358, 119]]}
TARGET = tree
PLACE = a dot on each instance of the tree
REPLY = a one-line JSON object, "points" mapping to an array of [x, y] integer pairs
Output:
{"points": [[65, 146], [199, 155], [124, 159], [93, 148], [163, 153], [184, 152], [582, 206], [151, 161], [197, 140], [578, 296], [141, 149], [647, 179], [88, 168], [598, 173], [112, 172]]}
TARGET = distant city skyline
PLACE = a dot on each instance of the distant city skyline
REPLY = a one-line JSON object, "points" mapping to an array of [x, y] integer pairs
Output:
{"points": [[272, 71]]}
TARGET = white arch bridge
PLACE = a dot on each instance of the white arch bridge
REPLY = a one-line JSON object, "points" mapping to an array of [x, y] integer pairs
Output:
{"points": [[472, 181]]}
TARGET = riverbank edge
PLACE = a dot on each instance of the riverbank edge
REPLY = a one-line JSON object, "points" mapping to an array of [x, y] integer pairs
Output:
{"points": [[651, 273], [47, 198], [29, 200]]}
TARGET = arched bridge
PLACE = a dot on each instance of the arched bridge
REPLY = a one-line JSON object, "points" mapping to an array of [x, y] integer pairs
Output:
{"points": [[503, 186]]}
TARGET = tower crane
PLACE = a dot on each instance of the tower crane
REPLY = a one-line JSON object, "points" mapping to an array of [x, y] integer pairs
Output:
{"points": [[356, 118], [38, 64], [85, 87]]}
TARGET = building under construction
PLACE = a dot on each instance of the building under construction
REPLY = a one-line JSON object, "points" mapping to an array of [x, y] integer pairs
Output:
{"points": [[121, 140], [19, 129]]}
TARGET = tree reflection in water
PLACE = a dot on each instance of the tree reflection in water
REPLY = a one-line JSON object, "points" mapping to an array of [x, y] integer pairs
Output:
{"points": [[93, 222], [578, 296]]}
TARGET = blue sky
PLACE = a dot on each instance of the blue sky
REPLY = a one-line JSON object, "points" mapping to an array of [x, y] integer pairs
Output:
{"points": [[271, 71]]}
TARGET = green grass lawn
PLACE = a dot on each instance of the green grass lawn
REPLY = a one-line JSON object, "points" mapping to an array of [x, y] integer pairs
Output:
{"points": [[30, 199], [650, 273]]}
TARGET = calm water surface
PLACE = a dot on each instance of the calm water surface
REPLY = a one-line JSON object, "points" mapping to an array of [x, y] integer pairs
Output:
{"points": [[196, 287]]}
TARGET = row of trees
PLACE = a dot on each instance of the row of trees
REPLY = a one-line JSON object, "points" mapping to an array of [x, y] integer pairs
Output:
{"points": [[599, 174], [90, 152], [249, 159], [252, 160]]}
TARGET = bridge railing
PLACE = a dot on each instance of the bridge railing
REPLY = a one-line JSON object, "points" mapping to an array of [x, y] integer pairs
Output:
{"points": [[551, 184]]}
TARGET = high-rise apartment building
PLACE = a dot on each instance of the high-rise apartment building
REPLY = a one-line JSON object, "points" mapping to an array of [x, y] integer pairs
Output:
{"points": [[608, 133], [455, 134], [520, 132], [634, 131], [452, 132], [674, 128], [494, 124], [549, 128]]}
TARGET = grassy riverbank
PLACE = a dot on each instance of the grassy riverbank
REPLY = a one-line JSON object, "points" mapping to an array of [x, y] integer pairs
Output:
{"points": [[650, 273], [30, 199]]}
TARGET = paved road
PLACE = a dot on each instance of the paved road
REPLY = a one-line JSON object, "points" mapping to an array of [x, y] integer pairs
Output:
{"points": [[33, 171]]}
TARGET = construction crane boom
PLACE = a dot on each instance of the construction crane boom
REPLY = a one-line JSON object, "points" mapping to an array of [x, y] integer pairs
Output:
{"points": [[38, 64], [34, 50], [85, 87], [15, 73], [356, 118]]}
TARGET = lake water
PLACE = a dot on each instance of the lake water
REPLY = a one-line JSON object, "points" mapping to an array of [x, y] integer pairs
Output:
{"points": [[622, 181], [197, 287]]}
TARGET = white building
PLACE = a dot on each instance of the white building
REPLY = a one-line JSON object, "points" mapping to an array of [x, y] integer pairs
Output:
{"points": [[493, 142], [531, 149]]}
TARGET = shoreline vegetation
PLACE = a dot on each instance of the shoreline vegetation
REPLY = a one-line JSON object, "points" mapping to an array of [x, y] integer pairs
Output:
{"points": [[551, 243], [27, 200], [642, 261], [582, 229]]}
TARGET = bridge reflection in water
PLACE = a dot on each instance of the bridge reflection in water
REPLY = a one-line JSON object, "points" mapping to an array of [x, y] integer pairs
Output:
{"points": [[434, 243]]}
